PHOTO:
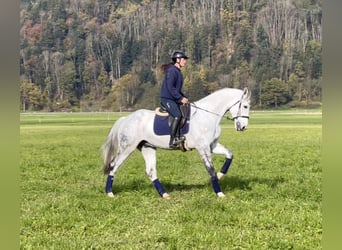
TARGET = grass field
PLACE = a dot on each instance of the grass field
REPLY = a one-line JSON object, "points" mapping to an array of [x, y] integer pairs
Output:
{"points": [[273, 188]]}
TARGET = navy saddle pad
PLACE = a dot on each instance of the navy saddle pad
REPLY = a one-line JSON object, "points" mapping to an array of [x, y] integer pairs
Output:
{"points": [[161, 125]]}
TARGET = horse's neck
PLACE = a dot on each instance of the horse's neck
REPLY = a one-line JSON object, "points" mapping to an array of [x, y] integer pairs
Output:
{"points": [[220, 101]]}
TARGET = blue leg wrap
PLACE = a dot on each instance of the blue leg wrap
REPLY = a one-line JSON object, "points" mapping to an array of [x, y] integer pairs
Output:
{"points": [[216, 186], [109, 183], [159, 187], [226, 165]]}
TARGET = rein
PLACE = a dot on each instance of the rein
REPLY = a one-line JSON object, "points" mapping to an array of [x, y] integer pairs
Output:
{"points": [[232, 119], [194, 105]]}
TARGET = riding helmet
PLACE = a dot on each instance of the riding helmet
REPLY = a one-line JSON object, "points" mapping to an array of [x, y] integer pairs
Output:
{"points": [[179, 54]]}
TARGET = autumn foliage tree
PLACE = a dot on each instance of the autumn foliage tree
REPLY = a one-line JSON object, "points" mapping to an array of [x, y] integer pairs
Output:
{"points": [[30, 96], [105, 55]]}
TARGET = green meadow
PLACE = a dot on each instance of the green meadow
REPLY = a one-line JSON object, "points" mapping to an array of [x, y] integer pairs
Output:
{"points": [[273, 188]]}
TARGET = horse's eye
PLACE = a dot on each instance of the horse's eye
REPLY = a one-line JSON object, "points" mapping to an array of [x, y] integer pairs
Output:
{"points": [[245, 106]]}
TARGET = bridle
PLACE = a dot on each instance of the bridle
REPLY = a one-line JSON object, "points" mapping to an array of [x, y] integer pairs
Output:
{"points": [[233, 118], [238, 115]]}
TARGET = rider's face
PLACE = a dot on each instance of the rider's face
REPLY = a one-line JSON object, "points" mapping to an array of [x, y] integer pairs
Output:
{"points": [[182, 62]]}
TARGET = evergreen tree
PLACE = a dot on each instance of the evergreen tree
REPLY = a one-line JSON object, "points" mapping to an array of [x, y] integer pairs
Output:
{"points": [[274, 93]]}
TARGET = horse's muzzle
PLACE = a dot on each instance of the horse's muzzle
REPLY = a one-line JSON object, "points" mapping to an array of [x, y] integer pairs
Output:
{"points": [[240, 127]]}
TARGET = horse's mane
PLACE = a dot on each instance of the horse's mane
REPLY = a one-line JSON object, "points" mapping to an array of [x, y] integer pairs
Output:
{"points": [[214, 95]]}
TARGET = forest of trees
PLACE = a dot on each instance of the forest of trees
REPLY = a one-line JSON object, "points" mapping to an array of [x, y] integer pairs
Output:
{"points": [[105, 55]]}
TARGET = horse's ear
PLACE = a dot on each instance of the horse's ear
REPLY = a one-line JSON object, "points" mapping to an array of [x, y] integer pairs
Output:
{"points": [[246, 93]]}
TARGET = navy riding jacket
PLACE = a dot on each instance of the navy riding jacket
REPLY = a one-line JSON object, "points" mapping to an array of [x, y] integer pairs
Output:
{"points": [[172, 84]]}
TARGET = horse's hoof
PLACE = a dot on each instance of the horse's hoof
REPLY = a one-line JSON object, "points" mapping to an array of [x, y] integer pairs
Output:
{"points": [[221, 195], [166, 196], [110, 194], [219, 175]]}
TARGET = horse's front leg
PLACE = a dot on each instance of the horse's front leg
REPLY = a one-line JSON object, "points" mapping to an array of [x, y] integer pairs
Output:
{"points": [[208, 163], [220, 149], [149, 155]]}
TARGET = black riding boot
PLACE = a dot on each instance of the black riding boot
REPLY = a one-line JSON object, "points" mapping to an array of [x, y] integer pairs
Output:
{"points": [[179, 136], [173, 132]]}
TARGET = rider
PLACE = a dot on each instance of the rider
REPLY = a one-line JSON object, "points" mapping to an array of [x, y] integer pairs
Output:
{"points": [[171, 94]]}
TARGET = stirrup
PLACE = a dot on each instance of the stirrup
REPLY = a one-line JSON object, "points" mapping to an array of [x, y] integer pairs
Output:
{"points": [[173, 146], [180, 138], [175, 143]]}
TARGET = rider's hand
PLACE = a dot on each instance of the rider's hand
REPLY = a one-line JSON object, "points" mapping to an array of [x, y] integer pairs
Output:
{"points": [[184, 100]]}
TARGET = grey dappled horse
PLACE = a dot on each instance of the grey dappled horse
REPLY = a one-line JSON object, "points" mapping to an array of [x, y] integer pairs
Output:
{"points": [[136, 132]]}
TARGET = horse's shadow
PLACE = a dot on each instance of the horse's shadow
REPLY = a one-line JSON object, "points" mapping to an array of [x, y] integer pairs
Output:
{"points": [[243, 183], [226, 183], [141, 185], [171, 187]]}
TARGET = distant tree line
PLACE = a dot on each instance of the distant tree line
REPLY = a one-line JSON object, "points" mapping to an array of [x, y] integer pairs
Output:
{"points": [[105, 55]]}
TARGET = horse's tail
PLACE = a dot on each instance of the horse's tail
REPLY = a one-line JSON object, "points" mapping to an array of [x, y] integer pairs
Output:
{"points": [[109, 148]]}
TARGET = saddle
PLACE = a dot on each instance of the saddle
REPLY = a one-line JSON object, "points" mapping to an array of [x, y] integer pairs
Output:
{"points": [[185, 110]]}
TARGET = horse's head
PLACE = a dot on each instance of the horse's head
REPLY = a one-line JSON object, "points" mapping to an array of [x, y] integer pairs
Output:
{"points": [[240, 111]]}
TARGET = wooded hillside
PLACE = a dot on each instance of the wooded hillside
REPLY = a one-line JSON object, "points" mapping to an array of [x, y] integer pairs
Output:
{"points": [[84, 55]]}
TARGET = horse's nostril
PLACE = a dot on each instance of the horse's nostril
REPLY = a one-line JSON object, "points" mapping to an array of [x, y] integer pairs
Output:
{"points": [[242, 128]]}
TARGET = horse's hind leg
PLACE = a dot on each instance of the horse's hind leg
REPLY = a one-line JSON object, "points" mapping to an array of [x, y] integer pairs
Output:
{"points": [[149, 155], [115, 164]]}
